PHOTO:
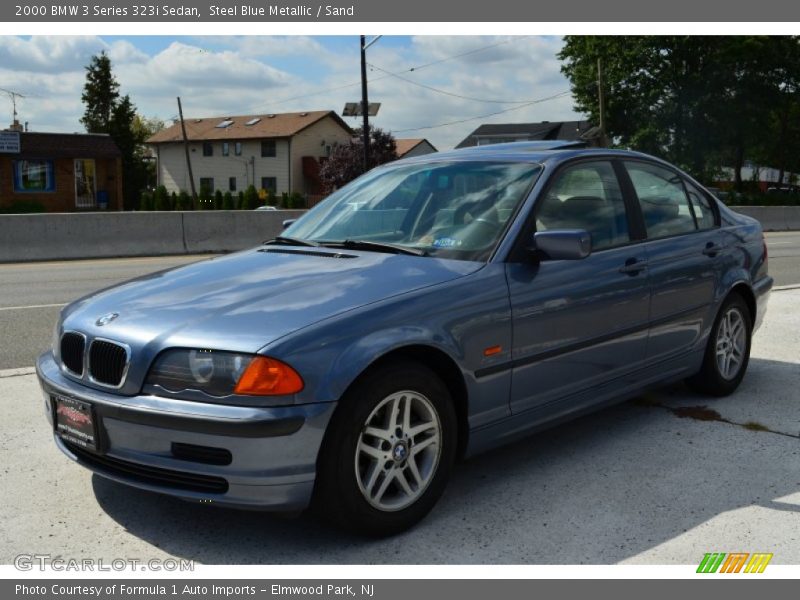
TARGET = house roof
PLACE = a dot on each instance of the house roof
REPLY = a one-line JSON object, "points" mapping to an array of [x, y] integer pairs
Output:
{"points": [[404, 146], [67, 145], [546, 130], [279, 125]]}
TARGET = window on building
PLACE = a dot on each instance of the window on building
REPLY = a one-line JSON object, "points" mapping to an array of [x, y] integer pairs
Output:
{"points": [[231, 184], [237, 148], [226, 149], [207, 185], [208, 149], [31, 176], [270, 184], [268, 148]]}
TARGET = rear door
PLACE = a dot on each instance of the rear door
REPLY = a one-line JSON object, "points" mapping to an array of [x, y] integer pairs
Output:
{"points": [[579, 323], [683, 250]]}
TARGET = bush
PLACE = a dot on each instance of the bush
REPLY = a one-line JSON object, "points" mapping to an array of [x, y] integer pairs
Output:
{"points": [[161, 199], [218, 200], [285, 200], [297, 200], [173, 201], [205, 198], [184, 201], [250, 199], [227, 201], [20, 207], [240, 201], [146, 201]]}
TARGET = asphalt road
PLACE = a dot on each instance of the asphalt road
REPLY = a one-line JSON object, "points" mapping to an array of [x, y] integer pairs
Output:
{"points": [[31, 294], [651, 481]]}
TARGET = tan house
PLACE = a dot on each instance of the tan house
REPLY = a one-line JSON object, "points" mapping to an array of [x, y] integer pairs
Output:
{"points": [[406, 148], [61, 172], [275, 152]]}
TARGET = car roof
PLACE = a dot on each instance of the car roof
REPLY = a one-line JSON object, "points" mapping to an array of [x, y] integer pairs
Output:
{"points": [[534, 152]]}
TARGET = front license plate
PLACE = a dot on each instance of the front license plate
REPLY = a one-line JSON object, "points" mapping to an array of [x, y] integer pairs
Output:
{"points": [[75, 422]]}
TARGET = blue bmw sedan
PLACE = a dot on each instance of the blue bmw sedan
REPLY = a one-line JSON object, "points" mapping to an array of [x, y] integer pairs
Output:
{"points": [[432, 309]]}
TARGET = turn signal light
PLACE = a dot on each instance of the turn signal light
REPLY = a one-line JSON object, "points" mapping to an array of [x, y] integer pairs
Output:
{"points": [[268, 377]]}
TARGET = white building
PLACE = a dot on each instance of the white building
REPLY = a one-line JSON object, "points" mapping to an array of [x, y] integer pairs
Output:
{"points": [[276, 152]]}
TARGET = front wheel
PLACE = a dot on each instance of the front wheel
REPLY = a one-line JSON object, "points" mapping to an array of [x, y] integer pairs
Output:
{"points": [[388, 451], [728, 350]]}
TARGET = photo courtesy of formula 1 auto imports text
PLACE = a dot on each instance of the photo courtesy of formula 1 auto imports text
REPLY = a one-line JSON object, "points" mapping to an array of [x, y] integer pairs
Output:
{"points": [[384, 300]]}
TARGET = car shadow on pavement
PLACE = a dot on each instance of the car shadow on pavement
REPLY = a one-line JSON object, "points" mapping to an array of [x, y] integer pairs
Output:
{"points": [[598, 490]]}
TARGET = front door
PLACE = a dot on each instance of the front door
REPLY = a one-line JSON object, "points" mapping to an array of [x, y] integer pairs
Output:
{"points": [[85, 183], [579, 323]]}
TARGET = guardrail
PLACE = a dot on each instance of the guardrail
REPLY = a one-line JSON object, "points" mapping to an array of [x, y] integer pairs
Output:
{"points": [[773, 218], [56, 236]]}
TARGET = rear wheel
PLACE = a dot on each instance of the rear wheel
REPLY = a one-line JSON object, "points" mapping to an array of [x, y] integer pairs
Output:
{"points": [[388, 451], [728, 350]]}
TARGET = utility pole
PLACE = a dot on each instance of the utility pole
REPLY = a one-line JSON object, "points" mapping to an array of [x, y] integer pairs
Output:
{"points": [[188, 157], [601, 101], [365, 101]]}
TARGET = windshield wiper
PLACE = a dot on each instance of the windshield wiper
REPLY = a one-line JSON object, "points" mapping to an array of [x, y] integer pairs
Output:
{"points": [[377, 247], [290, 241]]}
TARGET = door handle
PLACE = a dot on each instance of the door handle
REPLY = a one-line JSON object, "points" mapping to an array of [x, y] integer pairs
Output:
{"points": [[633, 266], [712, 249]]}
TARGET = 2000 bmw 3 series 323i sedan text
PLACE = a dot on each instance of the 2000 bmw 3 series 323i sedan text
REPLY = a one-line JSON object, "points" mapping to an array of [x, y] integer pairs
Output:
{"points": [[432, 309]]}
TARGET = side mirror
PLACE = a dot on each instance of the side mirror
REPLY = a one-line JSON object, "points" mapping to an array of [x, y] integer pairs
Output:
{"points": [[563, 244], [288, 222]]}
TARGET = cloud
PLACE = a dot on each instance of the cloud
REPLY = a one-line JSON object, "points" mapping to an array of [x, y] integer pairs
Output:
{"points": [[250, 74]]}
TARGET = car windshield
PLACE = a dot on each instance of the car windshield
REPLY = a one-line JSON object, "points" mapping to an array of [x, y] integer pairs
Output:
{"points": [[447, 209]]}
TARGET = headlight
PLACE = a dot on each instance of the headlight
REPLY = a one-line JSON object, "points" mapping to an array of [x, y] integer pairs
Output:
{"points": [[223, 373]]}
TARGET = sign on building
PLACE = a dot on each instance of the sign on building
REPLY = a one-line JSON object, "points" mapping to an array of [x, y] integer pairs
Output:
{"points": [[9, 142]]}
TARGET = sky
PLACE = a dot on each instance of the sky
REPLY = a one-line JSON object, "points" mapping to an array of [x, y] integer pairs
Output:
{"points": [[453, 83]]}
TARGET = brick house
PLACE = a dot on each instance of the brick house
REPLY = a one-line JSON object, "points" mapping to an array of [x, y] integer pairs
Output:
{"points": [[64, 172], [275, 152]]}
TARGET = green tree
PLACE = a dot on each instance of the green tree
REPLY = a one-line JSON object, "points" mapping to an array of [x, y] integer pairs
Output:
{"points": [[250, 198], [701, 102], [218, 199], [100, 94], [227, 201]]}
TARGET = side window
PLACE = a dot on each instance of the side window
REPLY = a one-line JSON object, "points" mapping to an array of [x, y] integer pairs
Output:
{"points": [[586, 196], [664, 204], [703, 212]]}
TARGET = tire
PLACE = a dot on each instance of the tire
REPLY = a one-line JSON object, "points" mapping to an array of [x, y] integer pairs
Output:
{"points": [[376, 475], [732, 330]]}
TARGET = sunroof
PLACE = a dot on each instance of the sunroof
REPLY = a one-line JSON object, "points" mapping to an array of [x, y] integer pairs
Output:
{"points": [[224, 124], [253, 121]]}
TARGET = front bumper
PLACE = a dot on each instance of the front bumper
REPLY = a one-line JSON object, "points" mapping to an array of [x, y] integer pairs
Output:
{"points": [[273, 451]]}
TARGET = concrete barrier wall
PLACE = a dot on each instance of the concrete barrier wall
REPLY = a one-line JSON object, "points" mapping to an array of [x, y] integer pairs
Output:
{"points": [[108, 235], [773, 218]]}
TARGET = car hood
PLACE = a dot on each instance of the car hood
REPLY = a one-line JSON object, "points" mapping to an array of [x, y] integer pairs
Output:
{"points": [[245, 300]]}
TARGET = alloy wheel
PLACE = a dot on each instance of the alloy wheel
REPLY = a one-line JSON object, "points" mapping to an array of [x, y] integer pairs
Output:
{"points": [[398, 451]]}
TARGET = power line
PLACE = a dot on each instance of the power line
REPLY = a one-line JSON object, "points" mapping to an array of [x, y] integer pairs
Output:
{"points": [[447, 93], [486, 116], [388, 74]]}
